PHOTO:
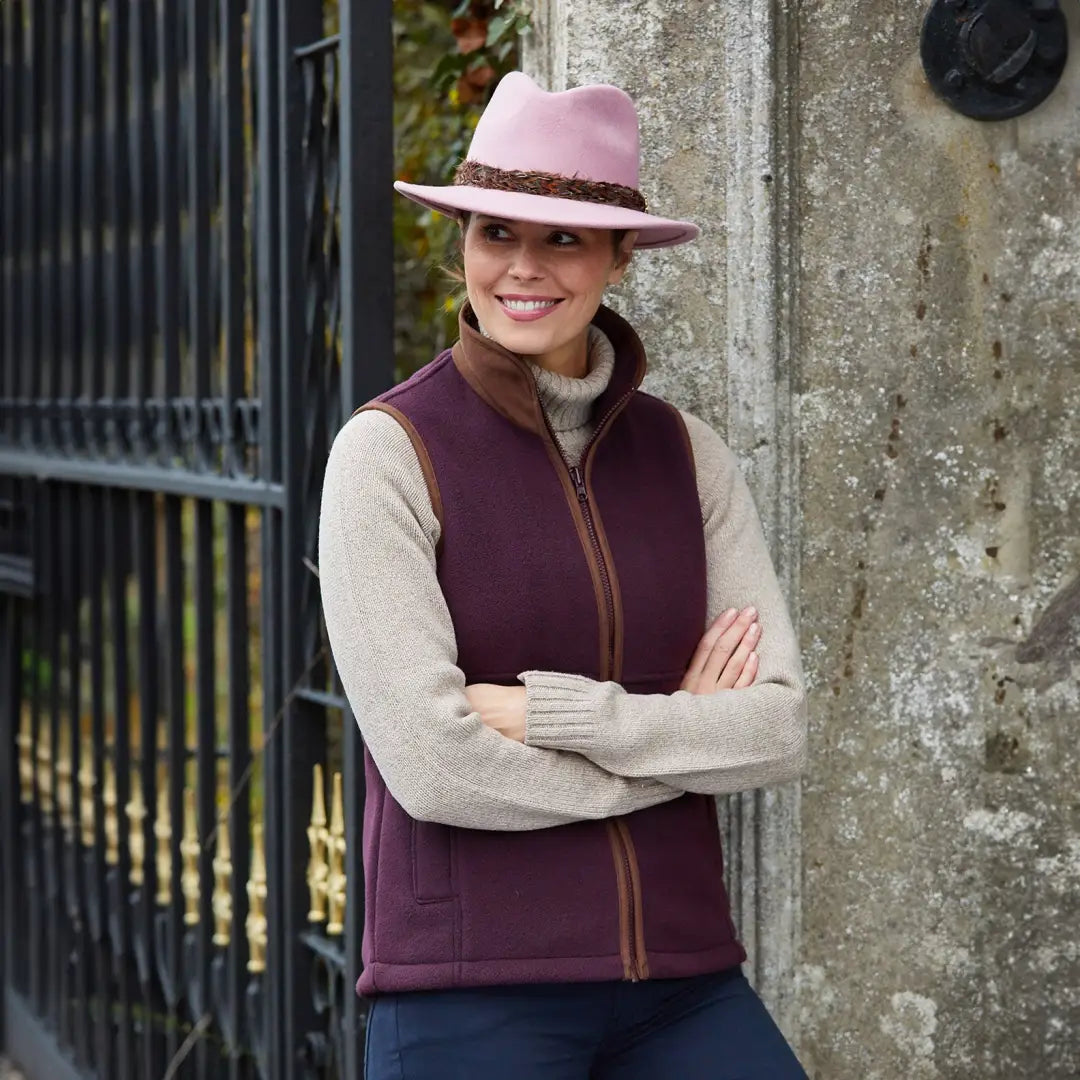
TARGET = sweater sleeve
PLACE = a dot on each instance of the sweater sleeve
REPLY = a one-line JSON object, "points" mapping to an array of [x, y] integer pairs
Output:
{"points": [[393, 642], [732, 740]]}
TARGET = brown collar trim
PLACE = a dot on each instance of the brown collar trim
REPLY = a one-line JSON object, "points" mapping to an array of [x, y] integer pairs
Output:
{"points": [[505, 381]]}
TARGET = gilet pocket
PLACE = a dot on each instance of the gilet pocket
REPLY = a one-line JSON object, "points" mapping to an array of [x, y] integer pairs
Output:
{"points": [[432, 861]]}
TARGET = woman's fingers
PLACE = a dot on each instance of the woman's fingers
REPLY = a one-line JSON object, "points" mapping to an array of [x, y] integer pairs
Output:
{"points": [[736, 659], [721, 655], [749, 673], [501, 708], [705, 648], [740, 635]]}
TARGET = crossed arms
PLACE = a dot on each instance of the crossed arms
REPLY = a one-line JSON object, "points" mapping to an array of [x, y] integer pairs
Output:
{"points": [[562, 747]]}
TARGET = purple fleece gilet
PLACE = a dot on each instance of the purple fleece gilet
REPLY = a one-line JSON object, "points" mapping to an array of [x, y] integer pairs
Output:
{"points": [[639, 897]]}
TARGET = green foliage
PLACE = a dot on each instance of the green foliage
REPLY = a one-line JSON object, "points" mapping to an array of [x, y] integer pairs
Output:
{"points": [[446, 64], [36, 670]]}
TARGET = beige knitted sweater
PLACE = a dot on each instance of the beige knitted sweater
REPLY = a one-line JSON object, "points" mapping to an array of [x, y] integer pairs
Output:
{"points": [[592, 750]]}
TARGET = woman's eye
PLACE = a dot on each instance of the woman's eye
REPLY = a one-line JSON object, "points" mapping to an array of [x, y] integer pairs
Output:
{"points": [[563, 239], [496, 232]]}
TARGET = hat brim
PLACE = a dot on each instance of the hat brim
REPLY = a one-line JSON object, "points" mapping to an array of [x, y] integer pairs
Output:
{"points": [[653, 232]]}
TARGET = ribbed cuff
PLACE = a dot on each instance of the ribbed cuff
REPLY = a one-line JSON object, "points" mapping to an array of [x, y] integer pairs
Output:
{"points": [[560, 710]]}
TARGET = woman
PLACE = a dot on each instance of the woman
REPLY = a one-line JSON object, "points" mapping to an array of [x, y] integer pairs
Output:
{"points": [[519, 554]]}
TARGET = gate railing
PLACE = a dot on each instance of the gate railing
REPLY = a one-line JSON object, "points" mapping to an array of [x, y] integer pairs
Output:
{"points": [[195, 291]]}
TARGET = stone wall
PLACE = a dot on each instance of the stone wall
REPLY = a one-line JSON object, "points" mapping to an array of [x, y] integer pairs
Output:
{"points": [[883, 317]]}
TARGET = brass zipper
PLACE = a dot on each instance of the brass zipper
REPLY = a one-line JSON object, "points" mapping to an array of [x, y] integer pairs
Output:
{"points": [[635, 965], [605, 579]]}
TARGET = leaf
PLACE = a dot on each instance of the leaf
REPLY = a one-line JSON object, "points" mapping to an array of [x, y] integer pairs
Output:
{"points": [[447, 70], [497, 28], [478, 63]]}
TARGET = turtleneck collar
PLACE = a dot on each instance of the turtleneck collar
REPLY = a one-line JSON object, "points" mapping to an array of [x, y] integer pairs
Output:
{"points": [[568, 401], [508, 384]]}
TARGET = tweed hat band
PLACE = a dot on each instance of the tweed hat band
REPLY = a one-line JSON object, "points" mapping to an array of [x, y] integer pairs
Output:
{"points": [[477, 175]]}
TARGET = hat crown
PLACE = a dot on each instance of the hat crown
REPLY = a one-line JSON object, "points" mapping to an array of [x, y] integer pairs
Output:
{"points": [[589, 132]]}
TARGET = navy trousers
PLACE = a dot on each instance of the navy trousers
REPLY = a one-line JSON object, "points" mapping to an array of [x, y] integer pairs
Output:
{"points": [[712, 1027]]}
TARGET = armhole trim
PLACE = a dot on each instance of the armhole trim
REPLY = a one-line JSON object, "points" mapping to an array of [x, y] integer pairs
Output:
{"points": [[681, 420], [422, 456]]}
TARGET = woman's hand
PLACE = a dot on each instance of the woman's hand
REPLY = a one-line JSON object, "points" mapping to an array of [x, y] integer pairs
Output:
{"points": [[725, 658], [501, 708]]}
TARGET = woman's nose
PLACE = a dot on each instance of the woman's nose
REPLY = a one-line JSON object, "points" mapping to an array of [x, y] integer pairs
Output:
{"points": [[525, 265]]}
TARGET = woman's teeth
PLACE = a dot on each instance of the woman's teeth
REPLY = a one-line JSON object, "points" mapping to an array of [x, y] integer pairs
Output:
{"points": [[528, 305]]}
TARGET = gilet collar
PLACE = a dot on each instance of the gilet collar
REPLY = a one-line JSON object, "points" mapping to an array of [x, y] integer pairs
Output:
{"points": [[505, 381]]}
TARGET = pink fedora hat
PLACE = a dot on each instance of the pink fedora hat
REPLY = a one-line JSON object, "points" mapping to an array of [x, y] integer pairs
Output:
{"points": [[568, 159]]}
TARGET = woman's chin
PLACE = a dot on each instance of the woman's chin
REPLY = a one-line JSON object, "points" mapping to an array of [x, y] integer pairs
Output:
{"points": [[519, 338]]}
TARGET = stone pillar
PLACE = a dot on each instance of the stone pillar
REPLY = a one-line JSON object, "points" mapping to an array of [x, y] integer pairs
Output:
{"points": [[883, 319], [716, 318]]}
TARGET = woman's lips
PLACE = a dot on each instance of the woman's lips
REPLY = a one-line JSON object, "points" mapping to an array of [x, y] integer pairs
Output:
{"points": [[527, 309]]}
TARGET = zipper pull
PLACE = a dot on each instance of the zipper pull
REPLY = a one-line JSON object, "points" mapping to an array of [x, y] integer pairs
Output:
{"points": [[579, 484]]}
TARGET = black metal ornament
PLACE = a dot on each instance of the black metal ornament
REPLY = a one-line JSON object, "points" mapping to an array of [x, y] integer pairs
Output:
{"points": [[994, 59]]}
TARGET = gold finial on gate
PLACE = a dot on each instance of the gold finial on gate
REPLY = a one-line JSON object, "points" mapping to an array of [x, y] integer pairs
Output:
{"points": [[256, 890], [222, 899], [65, 787], [25, 740], [136, 814], [336, 880], [44, 771], [189, 852], [112, 820], [86, 792], [318, 838], [163, 853]]}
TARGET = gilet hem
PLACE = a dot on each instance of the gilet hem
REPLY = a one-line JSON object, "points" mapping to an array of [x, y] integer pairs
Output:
{"points": [[380, 978]]}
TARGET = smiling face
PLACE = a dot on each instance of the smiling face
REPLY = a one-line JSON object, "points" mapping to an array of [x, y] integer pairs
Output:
{"points": [[535, 288]]}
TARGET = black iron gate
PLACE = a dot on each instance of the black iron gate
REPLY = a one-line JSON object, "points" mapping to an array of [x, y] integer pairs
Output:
{"points": [[195, 290]]}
